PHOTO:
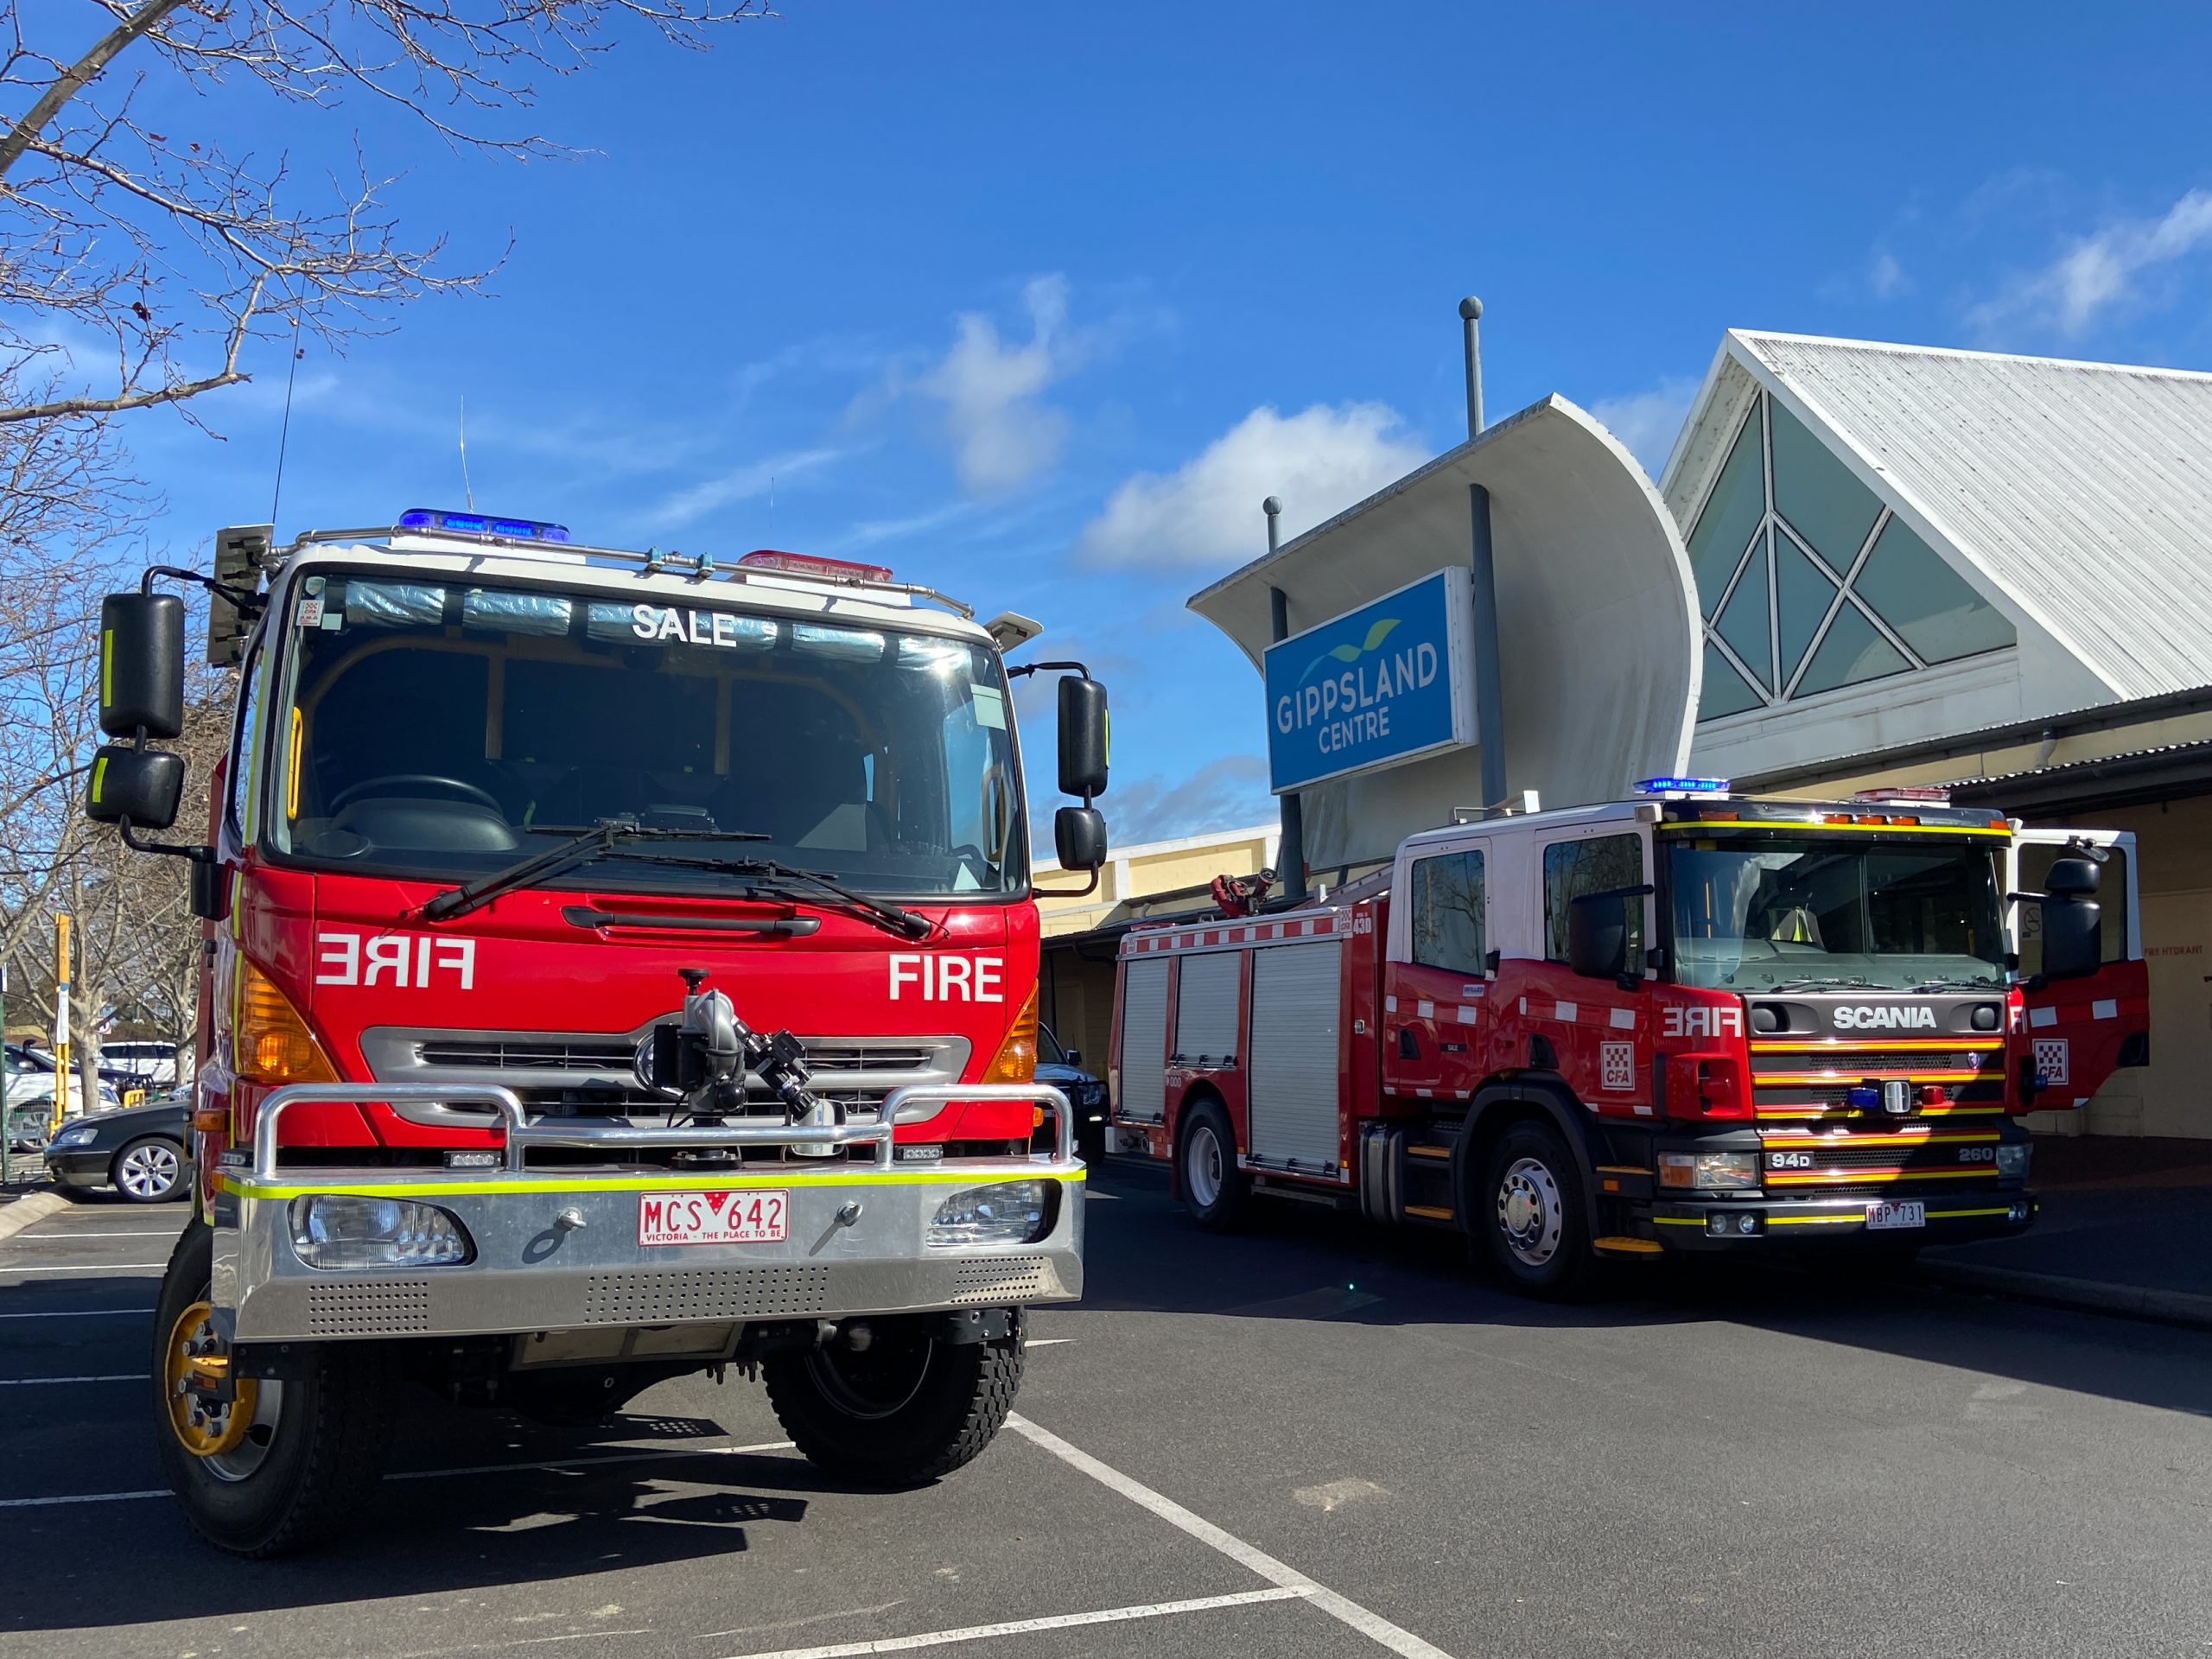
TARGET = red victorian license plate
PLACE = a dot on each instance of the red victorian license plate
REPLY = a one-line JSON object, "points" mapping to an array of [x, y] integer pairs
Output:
{"points": [[713, 1217]]}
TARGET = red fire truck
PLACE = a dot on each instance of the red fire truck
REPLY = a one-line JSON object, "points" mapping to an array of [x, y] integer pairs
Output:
{"points": [[526, 861], [1690, 1021]]}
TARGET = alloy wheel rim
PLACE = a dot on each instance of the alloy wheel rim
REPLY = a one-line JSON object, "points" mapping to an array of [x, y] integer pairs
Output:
{"points": [[148, 1171]]}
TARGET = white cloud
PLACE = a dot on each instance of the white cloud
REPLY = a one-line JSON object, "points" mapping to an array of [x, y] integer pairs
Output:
{"points": [[1002, 434], [739, 484], [1320, 461], [1647, 422], [1886, 277], [2096, 276]]}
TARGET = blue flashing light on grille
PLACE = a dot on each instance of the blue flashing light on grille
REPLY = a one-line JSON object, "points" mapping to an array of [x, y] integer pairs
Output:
{"points": [[1864, 1098], [482, 523], [1683, 786]]}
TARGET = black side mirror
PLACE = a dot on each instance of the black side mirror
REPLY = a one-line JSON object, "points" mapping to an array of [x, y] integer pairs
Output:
{"points": [[2073, 878], [1071, 1055], [1084, 740], [143, 785], [1596, 936], [142, 666], [2072, 945], [1079, 837]]}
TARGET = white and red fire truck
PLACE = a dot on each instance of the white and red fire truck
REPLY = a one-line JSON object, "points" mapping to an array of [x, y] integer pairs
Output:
{"points": [[526, 860], [1688, 1021]]}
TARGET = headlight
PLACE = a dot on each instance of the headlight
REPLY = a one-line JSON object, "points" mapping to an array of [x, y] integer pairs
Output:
{"points": [[79, 1136], [333, 1231], [1005, 1212], [2012, 1161], [1709, 1170]]}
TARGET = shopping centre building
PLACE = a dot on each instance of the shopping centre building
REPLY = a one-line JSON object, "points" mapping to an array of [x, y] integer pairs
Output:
{"points": [[1864, 565]]}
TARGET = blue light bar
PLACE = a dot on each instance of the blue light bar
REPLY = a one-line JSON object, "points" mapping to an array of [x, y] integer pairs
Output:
{"points": [[1683, 786], [482, 523]]}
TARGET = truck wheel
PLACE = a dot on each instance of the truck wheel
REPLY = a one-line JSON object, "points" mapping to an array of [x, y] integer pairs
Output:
{"points": [[284, 1464], [901, 1412], [1529, 1212], [1214, 1190], [150, 1170]]}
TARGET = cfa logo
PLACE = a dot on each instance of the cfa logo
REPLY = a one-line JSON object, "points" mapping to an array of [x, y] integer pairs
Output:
{"points": [[1701, 1019], [949, 979], [1895, 1018]]}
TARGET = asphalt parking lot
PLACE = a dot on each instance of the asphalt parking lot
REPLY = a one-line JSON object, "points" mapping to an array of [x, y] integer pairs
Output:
{"points": [[1312, 1440]]}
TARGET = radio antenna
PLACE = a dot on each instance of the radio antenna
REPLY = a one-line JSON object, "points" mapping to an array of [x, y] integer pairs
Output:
{"points": [[465, 489], [284, 431]]}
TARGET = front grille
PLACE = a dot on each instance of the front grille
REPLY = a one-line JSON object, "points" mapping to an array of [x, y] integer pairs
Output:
{"points": [[586, 1075], [1876, 1160], [1856, 1063]]}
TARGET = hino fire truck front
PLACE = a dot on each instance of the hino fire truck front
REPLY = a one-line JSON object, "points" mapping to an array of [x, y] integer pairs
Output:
{"points": [[619, 966]]}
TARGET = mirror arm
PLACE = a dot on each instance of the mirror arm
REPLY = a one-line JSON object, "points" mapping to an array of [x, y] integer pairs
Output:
{"points": [[1031, 668], [1067, 892], [248, 604], [197, 854]]}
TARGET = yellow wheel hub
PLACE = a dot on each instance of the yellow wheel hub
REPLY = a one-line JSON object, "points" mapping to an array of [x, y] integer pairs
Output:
{"points": [[204, 1426]]}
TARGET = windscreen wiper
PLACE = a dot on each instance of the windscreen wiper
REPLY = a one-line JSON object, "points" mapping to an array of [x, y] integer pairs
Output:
{"points": [[596, 841], [892, 919]]}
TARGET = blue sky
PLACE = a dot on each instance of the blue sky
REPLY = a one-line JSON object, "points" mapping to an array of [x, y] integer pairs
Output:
{"points": [[1035, 303]]}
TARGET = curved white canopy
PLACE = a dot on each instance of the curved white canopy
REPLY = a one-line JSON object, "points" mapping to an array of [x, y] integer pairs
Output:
{"points": [[1599, 638]]}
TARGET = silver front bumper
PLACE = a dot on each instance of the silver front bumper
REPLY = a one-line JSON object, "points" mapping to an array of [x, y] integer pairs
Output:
{"points": [[558, 1250]]}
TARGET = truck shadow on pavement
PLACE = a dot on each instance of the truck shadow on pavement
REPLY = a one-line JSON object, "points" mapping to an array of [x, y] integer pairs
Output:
{"points": [[1297, 1262]]}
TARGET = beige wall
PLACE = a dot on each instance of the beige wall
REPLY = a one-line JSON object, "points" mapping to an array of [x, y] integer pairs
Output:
{"points": [[1076, 990]]}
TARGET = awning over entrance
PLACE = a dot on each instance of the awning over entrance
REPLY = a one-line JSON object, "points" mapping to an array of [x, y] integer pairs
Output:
{"points": [[1598, 629]]}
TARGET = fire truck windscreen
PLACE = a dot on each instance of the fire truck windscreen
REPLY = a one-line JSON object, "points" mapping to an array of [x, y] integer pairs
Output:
{"points": [[429, 726], [1773, 914]]}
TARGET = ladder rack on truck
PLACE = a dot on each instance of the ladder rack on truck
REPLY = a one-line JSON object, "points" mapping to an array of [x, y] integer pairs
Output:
{"points": [[1691, 1022]]}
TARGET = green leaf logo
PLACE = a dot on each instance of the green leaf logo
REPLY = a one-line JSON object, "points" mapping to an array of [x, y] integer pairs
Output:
{"points": [[1376, 633]]}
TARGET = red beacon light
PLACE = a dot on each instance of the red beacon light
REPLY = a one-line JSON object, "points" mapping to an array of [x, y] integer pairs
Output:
{"points": [[1919, 795], [819, 570]]}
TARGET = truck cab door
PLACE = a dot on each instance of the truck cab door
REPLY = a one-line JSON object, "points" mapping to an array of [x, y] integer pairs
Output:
{"points": [[1434, 976], [2081, 1031]]}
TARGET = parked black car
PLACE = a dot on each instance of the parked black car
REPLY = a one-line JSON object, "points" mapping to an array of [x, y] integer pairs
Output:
{"points": [[139, 1151]]}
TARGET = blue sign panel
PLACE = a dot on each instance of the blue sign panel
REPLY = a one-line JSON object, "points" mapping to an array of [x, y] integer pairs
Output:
{"points": [[1384, 683]]}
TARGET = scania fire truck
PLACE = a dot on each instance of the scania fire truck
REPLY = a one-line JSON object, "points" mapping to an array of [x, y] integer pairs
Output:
{"points": [[618, 965], [1691, 1022]]}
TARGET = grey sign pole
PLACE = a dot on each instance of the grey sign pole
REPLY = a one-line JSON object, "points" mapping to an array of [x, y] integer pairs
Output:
{"points": [[1290, 844], [1490, 721]]}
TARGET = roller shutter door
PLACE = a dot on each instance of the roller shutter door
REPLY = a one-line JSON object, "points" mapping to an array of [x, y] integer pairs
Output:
{"points": [[1205, 1007], [1292, 1066], [1144, 1041]]}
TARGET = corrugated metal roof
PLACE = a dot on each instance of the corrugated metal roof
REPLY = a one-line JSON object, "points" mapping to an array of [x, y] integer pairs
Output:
{"points": [[2130, 759], [2083, 489]]}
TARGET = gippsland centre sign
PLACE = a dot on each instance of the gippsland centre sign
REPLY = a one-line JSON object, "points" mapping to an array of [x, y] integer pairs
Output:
{"points": [[1387, 683]]}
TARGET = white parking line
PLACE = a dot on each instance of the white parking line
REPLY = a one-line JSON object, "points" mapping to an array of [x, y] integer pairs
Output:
{"points": [[65, 1238], [43, 1382], [88, 1266], [1370, 1624], [657, 1454], [81, 1314], [1031, 1626]]}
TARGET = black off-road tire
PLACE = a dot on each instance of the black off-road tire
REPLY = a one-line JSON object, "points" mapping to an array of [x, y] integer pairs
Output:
{"points": [[1550, 1258], [856, 1419], [324, 1457], [1217, 1193]]}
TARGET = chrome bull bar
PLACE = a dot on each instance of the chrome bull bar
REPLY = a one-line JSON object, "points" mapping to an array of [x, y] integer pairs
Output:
{"points": [[433, 1106]]}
